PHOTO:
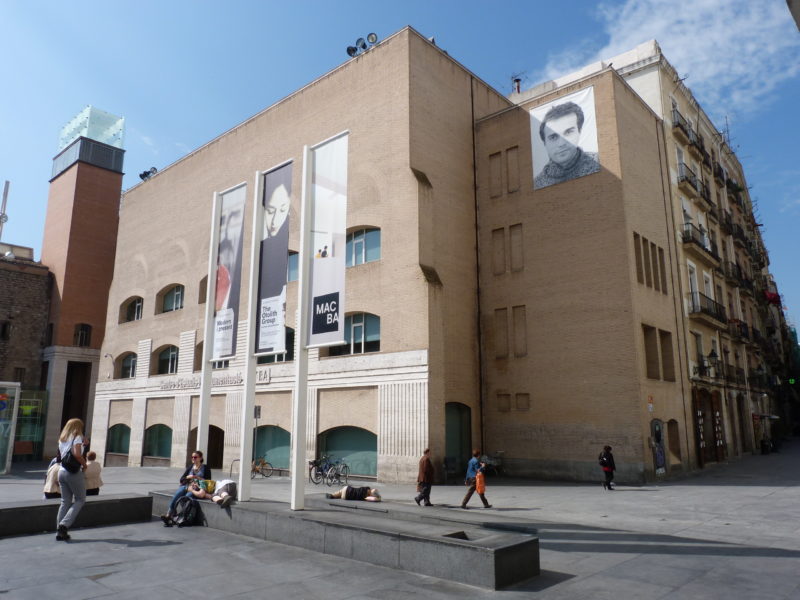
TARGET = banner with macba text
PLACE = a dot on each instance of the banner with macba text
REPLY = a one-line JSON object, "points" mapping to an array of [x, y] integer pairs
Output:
{"points": [[329, 236]]}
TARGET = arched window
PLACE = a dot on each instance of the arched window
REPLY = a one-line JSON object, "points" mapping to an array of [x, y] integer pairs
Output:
{"points": [[293, 267], [357, 447], [157, 441], [274, 442], [287, 356], [171, 298], [362, 333], [167, 361], [203, 290], [127, 366], [363, 245], [119, 439], [83, 335], [131, 309]]}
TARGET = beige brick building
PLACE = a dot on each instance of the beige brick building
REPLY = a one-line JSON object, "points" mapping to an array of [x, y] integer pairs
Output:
{"points": [[538, 323]]}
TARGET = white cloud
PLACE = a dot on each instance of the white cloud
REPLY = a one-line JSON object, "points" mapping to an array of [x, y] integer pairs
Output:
{"points": [[734, 52]]}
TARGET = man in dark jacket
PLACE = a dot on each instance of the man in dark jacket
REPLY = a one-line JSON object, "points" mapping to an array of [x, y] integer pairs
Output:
{"points": [[424, 479]]}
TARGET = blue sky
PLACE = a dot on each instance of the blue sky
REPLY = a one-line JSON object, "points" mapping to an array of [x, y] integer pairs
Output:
{"points": [[169, 66]]}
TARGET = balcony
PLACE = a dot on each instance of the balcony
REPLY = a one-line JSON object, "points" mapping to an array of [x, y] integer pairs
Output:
{"points": [[703, 196], [697, 242], [746, 284], [740, 238], [739, 330], [687, 181], [696, 145], [713, 211], [680, 127], [707, 368], [719, 174], [758, 379], [732, 272], [706, 159], [704, 309], [726, 221], [757, 337]]}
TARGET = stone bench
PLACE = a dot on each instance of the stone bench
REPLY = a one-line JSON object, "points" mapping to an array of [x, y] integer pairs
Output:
{"points": [[21, 518]]}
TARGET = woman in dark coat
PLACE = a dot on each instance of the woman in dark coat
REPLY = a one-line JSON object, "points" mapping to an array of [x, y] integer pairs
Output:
{"points": [[606, 460], [196, 471]]}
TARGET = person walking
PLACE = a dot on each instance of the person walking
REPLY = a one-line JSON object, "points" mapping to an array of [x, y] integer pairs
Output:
{"points": [[474, 466], [424, 479], [70, 477], [606, 460]]}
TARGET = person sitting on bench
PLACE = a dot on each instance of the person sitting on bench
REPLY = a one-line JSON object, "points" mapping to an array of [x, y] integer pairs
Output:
{"points": [[356, 493]]}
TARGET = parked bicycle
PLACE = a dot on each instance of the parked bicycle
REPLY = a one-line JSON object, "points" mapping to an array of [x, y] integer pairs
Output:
{"points": [[318, 468], [338, 473], [260, 466]]}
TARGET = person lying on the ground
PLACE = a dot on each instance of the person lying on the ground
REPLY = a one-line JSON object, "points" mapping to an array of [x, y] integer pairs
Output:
{"points": [[356, 493], [221, 492]]}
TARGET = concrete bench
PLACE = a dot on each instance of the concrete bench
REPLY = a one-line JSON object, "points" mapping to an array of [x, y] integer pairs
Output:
{"points": [[477, 556], [21, 518]]}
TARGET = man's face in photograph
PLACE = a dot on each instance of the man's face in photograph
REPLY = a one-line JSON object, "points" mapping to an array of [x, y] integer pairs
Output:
{"points": [[561, 136]]}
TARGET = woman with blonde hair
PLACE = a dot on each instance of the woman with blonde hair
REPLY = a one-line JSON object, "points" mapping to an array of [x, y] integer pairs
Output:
{"points": [[70, 477]]}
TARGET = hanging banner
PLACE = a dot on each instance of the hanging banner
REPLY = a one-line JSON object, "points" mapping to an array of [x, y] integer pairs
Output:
{"points": [[229, 272], [277, 200], [328, 237]]}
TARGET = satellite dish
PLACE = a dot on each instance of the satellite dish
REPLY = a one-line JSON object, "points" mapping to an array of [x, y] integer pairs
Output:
{"points": [[360, 43], [153, 171], [351, 50], [372, 38]]}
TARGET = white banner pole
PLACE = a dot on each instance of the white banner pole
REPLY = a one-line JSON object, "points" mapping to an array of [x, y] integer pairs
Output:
{"points": [[300, 396], [248, 401], [208, 333]]}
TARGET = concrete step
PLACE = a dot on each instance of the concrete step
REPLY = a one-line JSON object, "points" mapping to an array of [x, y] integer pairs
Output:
{"points": [[22, 518], [383, 534]]}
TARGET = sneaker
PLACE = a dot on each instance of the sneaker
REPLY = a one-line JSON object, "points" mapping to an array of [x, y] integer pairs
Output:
{"points": [[428, 504], [417, 500], [62, 535], [167, 520], [226, 501], [464, 506], [488, 506], [329, 496]]}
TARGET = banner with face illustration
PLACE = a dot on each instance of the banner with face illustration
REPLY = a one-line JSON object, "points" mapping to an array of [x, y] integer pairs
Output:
{"points": [[229, 272], [328, 235], [277, 201], [564, 139]]}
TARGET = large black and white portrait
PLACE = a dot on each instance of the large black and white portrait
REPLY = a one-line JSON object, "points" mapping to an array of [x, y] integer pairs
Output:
{"points": [[564, 139]]}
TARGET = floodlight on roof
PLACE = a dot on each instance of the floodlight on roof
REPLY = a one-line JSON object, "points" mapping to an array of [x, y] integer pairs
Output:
{"points": [[372, 38], [352, 50]]}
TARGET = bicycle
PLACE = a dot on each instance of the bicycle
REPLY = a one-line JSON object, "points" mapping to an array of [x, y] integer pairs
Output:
{"points": [[260, 466], [337, 473], [318, 469]]}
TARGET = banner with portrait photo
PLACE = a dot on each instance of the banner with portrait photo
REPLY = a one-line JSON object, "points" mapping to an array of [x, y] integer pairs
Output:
{"points": [[229, 272], [274, 259], [328, 237], [564, 139]]}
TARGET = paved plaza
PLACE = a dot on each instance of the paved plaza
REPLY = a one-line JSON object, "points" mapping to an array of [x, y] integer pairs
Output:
{"points": [[731, 531]]}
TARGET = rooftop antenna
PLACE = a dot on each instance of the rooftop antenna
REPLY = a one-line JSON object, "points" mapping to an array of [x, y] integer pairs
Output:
{"points": [[3, 215], [516, 82]]}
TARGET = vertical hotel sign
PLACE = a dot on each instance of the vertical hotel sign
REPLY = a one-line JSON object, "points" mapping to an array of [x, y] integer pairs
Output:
{"points": [[229, 272], [328, 237], [271, 333]]}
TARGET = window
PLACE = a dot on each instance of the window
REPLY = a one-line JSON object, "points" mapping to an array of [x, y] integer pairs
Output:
{"points": [[651, 352], [293, 267], [5, 330], [503, 402], [172, 299], [667, 362], [517, 247], [648, 273], [287, 356], [167, 362], [523, 401], [157, 441], [202, 291], [637, 249], [19, 374], [118, 439], [362, 333], [363, 245], [128, 367], [220, 364], [520, 325], [83, 335], [131, 310], [662, 263]]}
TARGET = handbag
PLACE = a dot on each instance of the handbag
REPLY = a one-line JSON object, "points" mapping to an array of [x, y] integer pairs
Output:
{"points": [[69, 462]]}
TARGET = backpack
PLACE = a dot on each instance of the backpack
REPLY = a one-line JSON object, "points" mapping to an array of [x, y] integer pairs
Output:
{"points": [[187, 513], [603, 460]]}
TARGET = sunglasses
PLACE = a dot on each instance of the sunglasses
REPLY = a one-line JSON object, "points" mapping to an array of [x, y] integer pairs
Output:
{"points": [[195, 456]]}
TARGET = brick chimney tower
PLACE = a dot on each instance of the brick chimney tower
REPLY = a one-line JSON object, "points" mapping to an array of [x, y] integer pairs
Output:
{"points": [[80, 238]]}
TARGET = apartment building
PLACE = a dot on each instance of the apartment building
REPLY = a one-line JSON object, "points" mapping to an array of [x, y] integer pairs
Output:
{"points": [[492, 300]]}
